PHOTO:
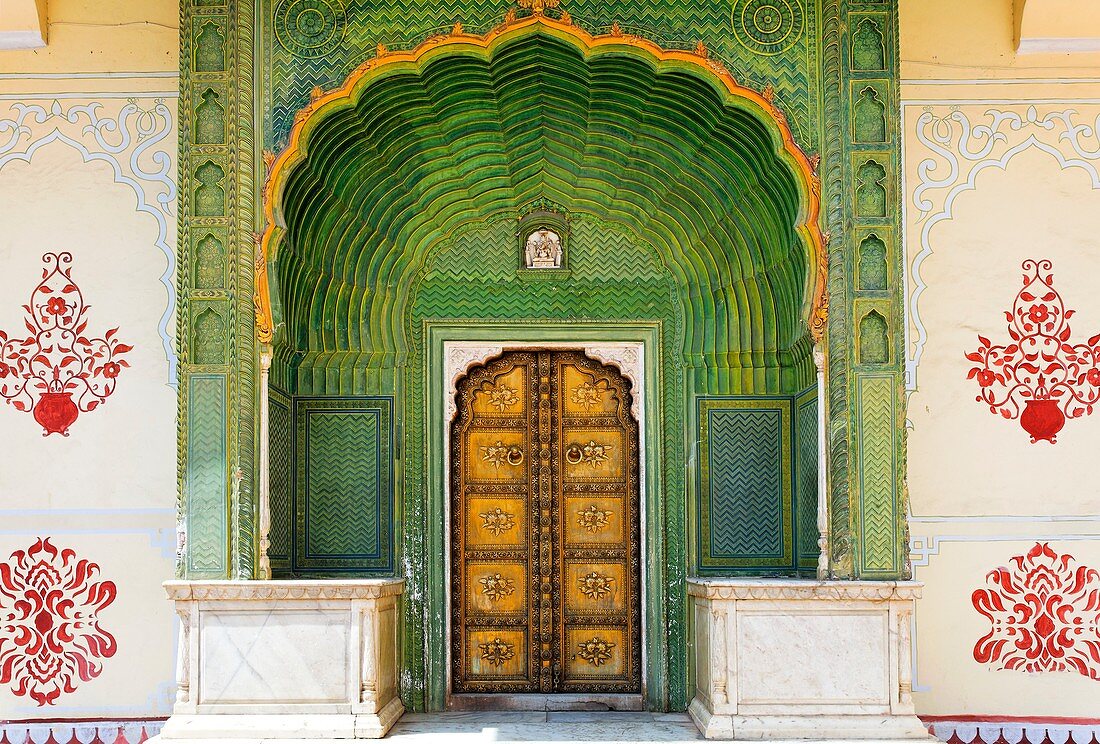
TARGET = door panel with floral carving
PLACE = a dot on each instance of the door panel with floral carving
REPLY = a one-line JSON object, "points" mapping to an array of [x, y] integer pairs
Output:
{"points": [[545, 554]]}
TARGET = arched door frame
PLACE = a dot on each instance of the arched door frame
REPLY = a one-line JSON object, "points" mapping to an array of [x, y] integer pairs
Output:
{"points": [[453, 348]]}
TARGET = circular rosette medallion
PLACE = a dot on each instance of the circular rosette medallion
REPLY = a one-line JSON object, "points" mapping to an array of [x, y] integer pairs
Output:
{"points": [[768, 27], [310, 28]]}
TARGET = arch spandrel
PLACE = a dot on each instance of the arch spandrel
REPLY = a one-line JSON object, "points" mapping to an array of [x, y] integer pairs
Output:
{"points": [[758, 287]]}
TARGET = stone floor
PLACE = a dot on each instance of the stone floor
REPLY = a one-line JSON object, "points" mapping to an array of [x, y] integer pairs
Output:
{"points": [[575, 727]]}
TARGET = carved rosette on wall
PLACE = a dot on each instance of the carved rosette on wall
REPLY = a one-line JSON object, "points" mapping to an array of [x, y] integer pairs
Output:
{"points": [[1044, 615], [50, 637], [768, 27], [56, 372], [1039, 377], [310, 28]]}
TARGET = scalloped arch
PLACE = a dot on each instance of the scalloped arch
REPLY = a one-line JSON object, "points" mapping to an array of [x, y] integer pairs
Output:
{"points": [[466, 128]]}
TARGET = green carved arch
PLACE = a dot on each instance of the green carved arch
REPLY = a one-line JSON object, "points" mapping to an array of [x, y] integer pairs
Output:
{"points": [[416, 149]]}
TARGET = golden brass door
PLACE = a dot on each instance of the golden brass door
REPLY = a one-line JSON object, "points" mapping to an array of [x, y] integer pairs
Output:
{"points": [[545, 527]]}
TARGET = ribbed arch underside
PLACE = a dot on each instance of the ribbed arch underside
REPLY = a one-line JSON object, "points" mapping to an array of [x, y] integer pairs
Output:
{"points": [[421, 152]]}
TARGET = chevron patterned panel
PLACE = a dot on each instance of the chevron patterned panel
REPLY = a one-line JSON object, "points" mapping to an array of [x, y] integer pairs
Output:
{"points": [[611, 276], [344, 492], [878, 503], [745, 494], [207, 477], [358, 26], [488, 254], [806, 479], [279, 484]]}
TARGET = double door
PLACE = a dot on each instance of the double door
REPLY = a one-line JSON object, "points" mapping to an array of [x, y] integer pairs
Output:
{"points": [[545, 527]]}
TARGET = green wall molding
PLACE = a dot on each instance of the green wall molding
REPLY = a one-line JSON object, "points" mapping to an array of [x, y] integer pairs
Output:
{"points": [[832, 70]]}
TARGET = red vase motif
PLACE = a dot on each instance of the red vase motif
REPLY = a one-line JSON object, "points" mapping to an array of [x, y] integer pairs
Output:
{"points": [[56, 412], [1041, 376], [59, 371], [1042, 419]]}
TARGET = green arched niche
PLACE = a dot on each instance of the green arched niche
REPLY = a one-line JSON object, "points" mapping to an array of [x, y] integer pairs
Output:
{"points": [[410, 154], [425, 161]]}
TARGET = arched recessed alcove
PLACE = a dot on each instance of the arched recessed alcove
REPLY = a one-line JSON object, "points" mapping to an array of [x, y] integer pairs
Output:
{"points": [[395, 213]]}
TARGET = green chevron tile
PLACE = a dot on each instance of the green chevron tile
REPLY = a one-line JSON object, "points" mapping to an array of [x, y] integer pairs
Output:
{"points": [[279, 478], [744, 487], [880, 552], [207, 477], [343, 498], [806, 446]]}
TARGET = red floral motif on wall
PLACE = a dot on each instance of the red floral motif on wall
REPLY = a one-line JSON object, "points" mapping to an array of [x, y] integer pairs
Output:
{"points": [[1041, 377], [57, 372], [1044, 614], [50, 639]]}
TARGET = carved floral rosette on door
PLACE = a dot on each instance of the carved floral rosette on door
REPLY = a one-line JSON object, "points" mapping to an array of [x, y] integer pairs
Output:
{"points": [[545, 532]]}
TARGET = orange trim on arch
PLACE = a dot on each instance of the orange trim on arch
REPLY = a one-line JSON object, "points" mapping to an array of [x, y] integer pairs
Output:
{"points": [[806, 168]]}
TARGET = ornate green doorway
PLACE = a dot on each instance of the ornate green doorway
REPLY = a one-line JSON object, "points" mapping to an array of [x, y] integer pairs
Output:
{"points": [[681, 202], [394, 220]]}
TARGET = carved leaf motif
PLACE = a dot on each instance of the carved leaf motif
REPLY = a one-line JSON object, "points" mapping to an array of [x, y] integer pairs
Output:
{"points": [[497, 521], [501, 454], [595, 651], [503, 397], [496, 586], [595, 586], [587, 396], [496, 651], [591, 454], [593, 518]]}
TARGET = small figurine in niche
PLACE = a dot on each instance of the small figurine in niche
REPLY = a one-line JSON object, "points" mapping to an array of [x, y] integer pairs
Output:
{"points": [[543, 249]]}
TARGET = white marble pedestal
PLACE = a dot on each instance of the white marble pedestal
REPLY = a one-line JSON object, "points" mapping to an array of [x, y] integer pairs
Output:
{"points": [[791, 659], [285, 660]]}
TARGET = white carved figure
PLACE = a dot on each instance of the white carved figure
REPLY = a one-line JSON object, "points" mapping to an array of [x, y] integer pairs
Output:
{"points": [[543, 249]]}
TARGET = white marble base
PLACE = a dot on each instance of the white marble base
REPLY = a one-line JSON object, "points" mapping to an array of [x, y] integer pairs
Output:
{"points": [[821, 660], [285, 660]]}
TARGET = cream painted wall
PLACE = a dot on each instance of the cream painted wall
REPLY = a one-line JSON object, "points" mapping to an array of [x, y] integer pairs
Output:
{"points": [[103, 36], [980, 492], [1001, 162], [87, 165], [953, 40]]}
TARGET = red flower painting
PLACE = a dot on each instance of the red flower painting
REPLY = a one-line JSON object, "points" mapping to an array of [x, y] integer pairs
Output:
{"points": [[57, 372], [1044, 615], [1041, 377], [50, 637]]}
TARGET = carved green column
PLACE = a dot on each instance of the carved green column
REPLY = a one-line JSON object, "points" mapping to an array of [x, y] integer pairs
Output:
{"points": [[217, 398], [865, 384]]}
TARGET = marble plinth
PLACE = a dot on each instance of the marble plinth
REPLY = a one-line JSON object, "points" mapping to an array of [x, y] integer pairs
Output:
{"points": [[285, 660], [822, 660]]}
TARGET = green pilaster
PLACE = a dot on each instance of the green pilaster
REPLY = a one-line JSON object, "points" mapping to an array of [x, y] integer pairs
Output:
{"points": [[862, 185], [217, 256]]}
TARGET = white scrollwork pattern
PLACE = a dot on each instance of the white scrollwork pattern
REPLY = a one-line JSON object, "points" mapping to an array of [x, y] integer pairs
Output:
{"points": [[956, 143], [134, 135]]}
